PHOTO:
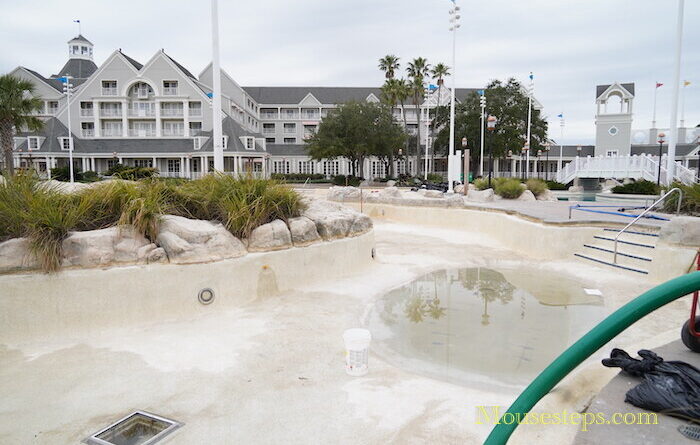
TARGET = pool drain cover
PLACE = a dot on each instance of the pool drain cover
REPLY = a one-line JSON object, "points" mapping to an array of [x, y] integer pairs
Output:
{"points": [[138, 428], [691, 431]]}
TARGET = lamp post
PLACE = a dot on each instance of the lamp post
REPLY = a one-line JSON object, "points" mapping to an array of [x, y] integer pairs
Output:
{"points": [[465, 152], [454, 25], [661, 147], [509, 155], [546, 162], [491, 126], [524, 154], [68, 89], [482, 104]]}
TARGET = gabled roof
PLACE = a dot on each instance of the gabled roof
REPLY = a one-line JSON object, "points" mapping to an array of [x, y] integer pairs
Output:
{"points": [[136, 64], [53, 83], [80, 38], [180, 67], [77, 68], [600, 89], [234, 131], [51, 131]]}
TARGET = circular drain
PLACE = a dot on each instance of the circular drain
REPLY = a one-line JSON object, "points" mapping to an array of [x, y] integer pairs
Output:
{"points": [[206, 296]]}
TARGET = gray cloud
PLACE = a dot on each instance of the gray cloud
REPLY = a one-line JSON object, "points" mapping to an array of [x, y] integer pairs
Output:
{"points": [[571, 46]]}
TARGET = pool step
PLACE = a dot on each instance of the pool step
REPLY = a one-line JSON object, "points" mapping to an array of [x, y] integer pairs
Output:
{"points": [[612, 252], [624, 241], [632, 232], [611, 264]]}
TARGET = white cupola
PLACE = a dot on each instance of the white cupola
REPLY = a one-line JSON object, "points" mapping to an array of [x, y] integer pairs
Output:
{"points": [[80, 48]]}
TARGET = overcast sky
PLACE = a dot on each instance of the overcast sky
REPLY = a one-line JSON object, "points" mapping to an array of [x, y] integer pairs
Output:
{"points": [[571, 46]]}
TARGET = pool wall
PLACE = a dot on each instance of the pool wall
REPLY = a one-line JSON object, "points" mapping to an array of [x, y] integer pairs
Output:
{"points": [[37, 305], [534, 239]]}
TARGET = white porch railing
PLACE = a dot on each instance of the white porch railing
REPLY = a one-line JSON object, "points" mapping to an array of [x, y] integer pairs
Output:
{"points": [[621, 167]]}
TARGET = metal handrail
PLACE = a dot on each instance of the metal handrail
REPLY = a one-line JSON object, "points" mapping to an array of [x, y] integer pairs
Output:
{"points": [[678, 210]]}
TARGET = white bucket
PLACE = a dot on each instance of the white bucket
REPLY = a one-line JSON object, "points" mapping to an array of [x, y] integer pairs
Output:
{"points": [[356, 351]]}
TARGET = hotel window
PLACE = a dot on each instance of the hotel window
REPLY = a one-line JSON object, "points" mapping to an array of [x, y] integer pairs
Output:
{"points": [[289, 113], [309, 130], [173, 128], [65, 143], [290, 140], [195, 128], [195, 108], [171, 109], [330, 168], [111, 109], [249, 143], [148, 163], [611, 153], [269, 140], [173, 166], [280, 167], [32, 143], [310, 113], [170, 88], [87, 129], [53, 106], [86, 109], [111, 163], [268, 128], [306, 167], [109, 87], [378, 169], [195, 165], [111, 129], [290, 128]]}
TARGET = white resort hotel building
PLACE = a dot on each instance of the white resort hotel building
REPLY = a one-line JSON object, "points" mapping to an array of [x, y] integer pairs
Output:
{"points": [[158, 114]]}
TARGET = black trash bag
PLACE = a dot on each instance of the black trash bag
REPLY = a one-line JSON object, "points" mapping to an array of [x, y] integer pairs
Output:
{"points": [[671, 387]]}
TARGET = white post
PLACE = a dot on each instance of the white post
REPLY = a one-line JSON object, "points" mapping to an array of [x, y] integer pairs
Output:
{"points": [[673, 139], [481, 154], [685, 84], [561, 145], [216, 99], [427, 138], [67, 88], [653, 119], [529, 122], [450, 155]]}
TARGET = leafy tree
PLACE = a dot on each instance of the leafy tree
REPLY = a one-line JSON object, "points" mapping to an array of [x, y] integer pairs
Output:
{"points": [[356, 130], [508, 102], [16, 107], [389, 64], [417, 71]]}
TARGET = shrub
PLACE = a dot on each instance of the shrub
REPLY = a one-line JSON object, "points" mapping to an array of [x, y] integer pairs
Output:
{"points": [[435, 178], [46, 216], [509, 188], [690, 204], [63, 174], [536, 186], [299, 177], [642, 187], [347, 180], [554, 185]]}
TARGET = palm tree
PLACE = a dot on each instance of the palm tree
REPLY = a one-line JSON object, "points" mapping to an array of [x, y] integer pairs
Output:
{"points": [[389, 64], [418, 70], [439, 72], [16, 106]]}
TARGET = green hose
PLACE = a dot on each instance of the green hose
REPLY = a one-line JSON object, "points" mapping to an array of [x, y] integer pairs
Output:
{"points": [[595, 339]]}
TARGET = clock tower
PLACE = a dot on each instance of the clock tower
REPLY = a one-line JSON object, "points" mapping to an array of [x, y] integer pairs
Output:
{"points": [[613, 119]]}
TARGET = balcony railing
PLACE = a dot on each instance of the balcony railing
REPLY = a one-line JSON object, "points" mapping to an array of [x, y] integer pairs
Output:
{"points": [[142, 133], [111, 132], [271, 115], [290, 130], [111, 112], [170, 91], [311, 115], [171, 112], [86, 112], [88, 133], [195, 112], [109, 91], [268, 130], [174, 133], [142, 112], [290, 115]]}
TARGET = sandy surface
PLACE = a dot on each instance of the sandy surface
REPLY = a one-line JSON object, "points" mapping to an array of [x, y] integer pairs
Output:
{"points": [[272, 371]]}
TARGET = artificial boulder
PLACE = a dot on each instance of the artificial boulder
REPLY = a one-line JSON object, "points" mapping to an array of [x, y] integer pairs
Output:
{"points": [[459, 188], [336, 221], [547, 195], [274, 235], [103, 247], [526, 195], [196, 241], [15, 255], [681, 230], [480, 195], [390, 183], [303, 231], [343, 194]]}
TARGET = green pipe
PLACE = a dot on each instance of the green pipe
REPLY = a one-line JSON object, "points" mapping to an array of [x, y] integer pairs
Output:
{"points": [[595, 339]]}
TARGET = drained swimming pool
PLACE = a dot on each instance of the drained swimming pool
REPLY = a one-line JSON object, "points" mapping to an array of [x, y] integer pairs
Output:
{"points": [[479, 326]]}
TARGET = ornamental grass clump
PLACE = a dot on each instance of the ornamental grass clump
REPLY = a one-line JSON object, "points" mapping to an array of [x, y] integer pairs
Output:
{"points": [[509, 188], [536, 186]]}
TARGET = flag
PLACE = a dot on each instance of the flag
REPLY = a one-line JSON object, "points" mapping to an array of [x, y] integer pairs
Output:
{"points": [[686, 83], [480, 92], [532, 77], [76, 21], [210, 95], [62, 79], [560, 115], [659, 84], [432, 87]]}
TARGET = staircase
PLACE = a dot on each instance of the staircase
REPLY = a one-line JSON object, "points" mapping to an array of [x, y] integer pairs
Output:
{"points": [[635, 249]]}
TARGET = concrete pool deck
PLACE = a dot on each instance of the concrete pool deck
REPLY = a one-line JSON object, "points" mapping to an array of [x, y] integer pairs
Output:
{"points": [[271, 370]]}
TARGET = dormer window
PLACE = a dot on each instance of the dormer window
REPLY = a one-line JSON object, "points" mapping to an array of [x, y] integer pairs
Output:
{"points": [[109, 87], [248, 142], [170, 87], [53, 107], [32, 143]]}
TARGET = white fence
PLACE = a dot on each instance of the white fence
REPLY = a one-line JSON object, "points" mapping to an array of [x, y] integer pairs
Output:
{"points": [[621, 167]]}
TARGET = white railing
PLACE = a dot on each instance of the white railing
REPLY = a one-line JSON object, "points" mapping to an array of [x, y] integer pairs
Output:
{"points": [[86, 112], [109, 91], [111, 132], [620, 167], [195, 112], [170, 91], [111, 112], [142, 133], [171, 112], [88, 133], [268, 115], [177, 133]]}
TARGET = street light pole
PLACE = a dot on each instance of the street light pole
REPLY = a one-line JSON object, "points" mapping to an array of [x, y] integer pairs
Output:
{"points": [[661, 148], [454, 18], [67, 88], [561, 144], [467, 154], [529, 120], [546, 161], [491, 125], [482, 102], [673, 138], [217, 132]]}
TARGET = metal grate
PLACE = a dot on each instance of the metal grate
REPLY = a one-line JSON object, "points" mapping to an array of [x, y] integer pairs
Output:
{"points": [[137, 428], [691, 431]]}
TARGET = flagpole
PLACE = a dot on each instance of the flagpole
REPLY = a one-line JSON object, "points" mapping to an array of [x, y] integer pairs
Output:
{"points": [[653, 119], [529, 122], [673, 139], [685, 84], [217, 131], [561, 143]]}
